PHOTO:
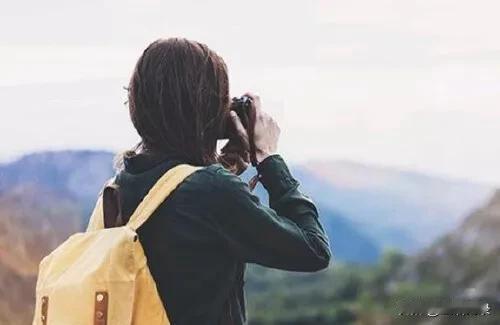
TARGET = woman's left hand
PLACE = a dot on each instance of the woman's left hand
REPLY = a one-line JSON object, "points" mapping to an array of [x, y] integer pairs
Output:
{"points": [[235, 154]]}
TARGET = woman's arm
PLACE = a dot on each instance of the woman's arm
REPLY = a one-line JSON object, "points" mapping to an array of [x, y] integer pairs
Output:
{"points": [[287, 236]]}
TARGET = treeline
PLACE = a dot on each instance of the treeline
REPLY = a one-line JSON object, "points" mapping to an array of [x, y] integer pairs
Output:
{"points": [[350, 294]]}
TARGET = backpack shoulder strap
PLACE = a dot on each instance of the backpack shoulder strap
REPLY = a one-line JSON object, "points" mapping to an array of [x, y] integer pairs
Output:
{"points": [[156, 195], [159, 192], [96, 220]]}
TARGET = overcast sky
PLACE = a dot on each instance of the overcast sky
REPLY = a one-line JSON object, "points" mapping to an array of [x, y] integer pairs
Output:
{"points": [[411, 84]]}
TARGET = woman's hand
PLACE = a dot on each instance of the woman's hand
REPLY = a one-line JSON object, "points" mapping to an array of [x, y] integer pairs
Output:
{"points": [[267, 131], [235, 154]]}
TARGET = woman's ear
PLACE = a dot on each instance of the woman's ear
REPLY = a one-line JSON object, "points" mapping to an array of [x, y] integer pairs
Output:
{"points": [[112, 206]]}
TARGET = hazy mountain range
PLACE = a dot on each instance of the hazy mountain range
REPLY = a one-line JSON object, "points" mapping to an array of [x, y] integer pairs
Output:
{"points": [[364, 208], [401, 209], [44, 197]]}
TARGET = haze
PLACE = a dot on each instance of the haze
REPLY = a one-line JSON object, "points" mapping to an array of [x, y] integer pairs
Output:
{"points": [[411, 84]]}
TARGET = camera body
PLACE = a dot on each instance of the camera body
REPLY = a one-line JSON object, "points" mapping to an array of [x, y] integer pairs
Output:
{"points": [[242, 106]]}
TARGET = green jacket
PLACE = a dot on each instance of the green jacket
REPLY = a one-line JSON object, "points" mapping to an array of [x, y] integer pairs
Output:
{"points": [[199, 240]]}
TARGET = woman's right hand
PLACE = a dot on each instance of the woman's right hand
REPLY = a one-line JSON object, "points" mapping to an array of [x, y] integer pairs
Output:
{"points": [[266, 132]]}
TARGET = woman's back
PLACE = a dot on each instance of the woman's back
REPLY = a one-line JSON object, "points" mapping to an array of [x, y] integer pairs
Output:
{"points": [[198, 241]]}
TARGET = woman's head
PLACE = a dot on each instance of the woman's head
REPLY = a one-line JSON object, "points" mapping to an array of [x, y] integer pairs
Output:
{"points": [[178, 99]]}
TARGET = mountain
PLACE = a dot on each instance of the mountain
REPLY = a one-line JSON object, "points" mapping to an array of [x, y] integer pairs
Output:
{"points": [[33, 221], [350, 243], [78, 176], [46, 196], [466, 259], [78, 173], [373, 207], [401, 209]]}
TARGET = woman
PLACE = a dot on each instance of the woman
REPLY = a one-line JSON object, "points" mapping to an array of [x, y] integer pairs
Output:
{"points": [[199, 240]]}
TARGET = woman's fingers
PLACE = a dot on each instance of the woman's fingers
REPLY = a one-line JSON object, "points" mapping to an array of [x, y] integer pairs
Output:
{"points": [[255, 101], [234, 160], [266, 132], [240, 129]]}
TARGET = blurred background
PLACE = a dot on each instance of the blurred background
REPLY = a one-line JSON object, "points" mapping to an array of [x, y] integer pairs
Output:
{"points": [[388, 111]]}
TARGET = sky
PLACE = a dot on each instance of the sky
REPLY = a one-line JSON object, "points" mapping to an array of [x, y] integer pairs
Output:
{"points": [[409, 84]]}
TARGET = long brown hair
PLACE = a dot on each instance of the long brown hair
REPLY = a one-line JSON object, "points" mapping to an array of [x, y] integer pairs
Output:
{"points": [[178, 99]]}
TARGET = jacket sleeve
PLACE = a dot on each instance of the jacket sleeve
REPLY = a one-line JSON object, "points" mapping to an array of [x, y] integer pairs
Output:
{"points": [[287, 236]]}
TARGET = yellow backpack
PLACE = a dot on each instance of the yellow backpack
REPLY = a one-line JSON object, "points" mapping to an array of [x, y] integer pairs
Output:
{"points": [[100, 277]]}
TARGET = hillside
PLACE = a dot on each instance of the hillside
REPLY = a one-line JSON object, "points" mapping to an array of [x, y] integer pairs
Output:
{"points": [[33, 221], [466, 259]]}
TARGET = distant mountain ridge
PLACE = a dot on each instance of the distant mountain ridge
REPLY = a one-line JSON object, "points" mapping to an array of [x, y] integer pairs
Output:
{"points": [[79, 175], [401, 209], [381, 206]]}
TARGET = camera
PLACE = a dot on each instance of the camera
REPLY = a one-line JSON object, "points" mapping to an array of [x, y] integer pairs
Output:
{"points": [[246, 112], [243, 108]]}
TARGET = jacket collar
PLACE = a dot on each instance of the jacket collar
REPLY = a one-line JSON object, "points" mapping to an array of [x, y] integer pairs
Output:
{"points": [[141, 162]]}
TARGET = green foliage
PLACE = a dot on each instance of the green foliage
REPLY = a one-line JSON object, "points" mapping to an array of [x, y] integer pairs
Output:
{"points": [[342, 294]]}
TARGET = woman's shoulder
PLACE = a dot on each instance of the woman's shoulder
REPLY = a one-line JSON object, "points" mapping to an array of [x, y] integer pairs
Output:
{"points": [[215, 172], [216, 178], [211, 187]]}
